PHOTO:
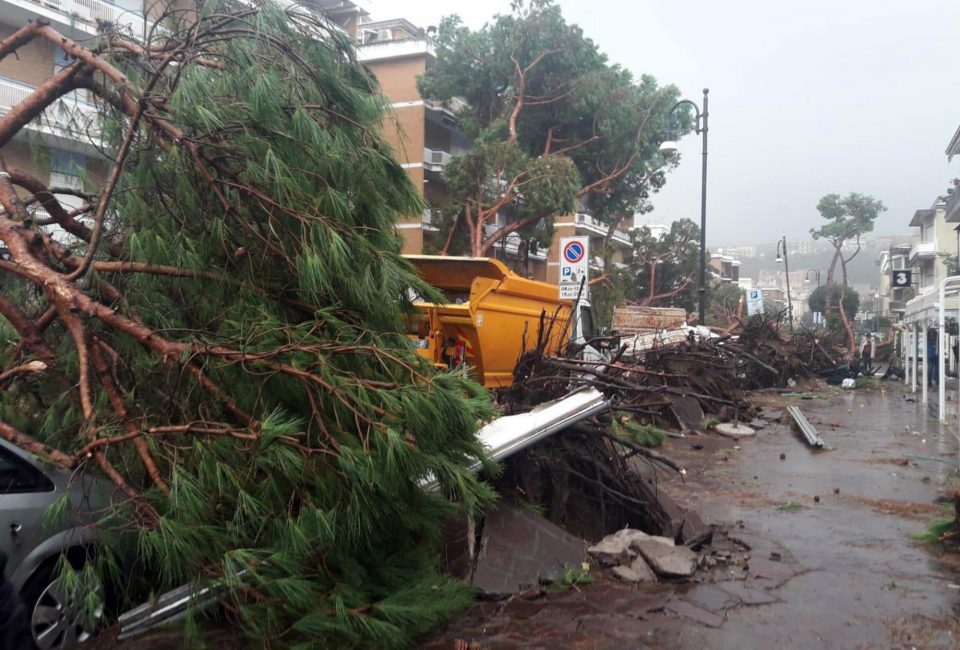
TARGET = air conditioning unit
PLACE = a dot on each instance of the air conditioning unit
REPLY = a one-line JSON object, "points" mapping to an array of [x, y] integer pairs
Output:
{"points": [[384, 35]]}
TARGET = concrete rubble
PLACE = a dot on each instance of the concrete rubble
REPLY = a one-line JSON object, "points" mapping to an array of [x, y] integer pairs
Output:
{"points": [[639, 557], [638, 571], [668, 561]]}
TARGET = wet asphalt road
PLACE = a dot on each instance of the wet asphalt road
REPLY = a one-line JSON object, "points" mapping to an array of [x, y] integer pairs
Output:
{"points": [[831, 564]]}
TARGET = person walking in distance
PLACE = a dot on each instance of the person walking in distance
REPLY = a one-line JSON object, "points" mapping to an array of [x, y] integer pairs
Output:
{"points": [[933, 373], [866, 354]]}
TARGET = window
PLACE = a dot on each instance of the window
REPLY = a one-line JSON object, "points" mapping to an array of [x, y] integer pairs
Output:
{"points": [[60, 60], [67, 169], [17, 475]]}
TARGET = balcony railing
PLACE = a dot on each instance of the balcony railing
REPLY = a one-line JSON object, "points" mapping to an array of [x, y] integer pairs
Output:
{"points": [[590, 222], [69, 117], [921, 250], [87, 13]]}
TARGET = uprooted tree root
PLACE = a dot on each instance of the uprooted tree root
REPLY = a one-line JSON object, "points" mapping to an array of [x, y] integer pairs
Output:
{"points": [[587, 482]]}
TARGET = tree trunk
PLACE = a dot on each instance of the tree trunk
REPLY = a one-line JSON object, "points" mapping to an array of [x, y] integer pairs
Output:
{"points": [[851, 339], [833, 266]]}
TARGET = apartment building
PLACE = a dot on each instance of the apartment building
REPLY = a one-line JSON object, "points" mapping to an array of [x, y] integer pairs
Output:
{"points": [[59, 148], [726, 267], [425, 135], [936, 241], [893, 299]]}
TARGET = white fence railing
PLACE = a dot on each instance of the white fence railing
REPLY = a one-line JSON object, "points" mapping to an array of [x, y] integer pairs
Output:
{"points": [[69, 117], [92, 11]]}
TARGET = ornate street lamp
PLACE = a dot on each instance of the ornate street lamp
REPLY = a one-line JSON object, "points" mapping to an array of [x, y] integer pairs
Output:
{"points": [[670, 146], [782, 246]]}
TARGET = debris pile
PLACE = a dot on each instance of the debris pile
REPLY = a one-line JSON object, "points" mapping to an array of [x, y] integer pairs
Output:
{"points": [[675, 385], [598, 479]]}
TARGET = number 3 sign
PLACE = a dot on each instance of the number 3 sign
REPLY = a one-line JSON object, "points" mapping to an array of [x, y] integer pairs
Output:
{"points": [[901, 279]]}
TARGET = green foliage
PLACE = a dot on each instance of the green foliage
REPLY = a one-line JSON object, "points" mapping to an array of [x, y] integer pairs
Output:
{"points": [[665, 268], [818, 299], [825, 299], [536, 83], [935, 531], [643, 434], [790, 506], [722, 302], [848, 218], [318, 499], [574, 577]]}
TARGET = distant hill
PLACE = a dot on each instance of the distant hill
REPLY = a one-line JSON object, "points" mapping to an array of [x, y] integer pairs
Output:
{"points": [[863, 269]]}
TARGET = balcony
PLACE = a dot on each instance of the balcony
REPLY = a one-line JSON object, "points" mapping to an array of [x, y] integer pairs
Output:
{"points": [[71, 117], [921, 251], [596, 227], [953, 206], [83, 15], [435, 160]]}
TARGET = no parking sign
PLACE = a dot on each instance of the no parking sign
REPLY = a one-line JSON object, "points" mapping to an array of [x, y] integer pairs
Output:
{"points": [[574, 267]]}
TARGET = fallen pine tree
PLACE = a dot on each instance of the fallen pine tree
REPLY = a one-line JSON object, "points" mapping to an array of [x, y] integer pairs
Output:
{"points": [[217, 331]]}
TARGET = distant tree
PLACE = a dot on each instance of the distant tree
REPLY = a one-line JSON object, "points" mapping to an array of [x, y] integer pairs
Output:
{"points": [[819, 298], [665, 268], [775, 308], [849, 218], [552, 122], [724, 304], [825, 300]]}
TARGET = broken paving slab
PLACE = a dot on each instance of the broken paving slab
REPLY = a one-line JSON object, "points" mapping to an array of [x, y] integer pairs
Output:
{"points": [[668, 561], [519, 549], [694, 613], [746, 594], [687, 412], [637, 571], [712, 598]]}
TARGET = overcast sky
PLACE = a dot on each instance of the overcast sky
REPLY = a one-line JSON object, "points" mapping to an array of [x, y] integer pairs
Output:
{"points": [[807, 97]]}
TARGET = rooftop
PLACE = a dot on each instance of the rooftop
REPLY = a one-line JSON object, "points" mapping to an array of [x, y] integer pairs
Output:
{"points": [[920, 216], [954, 147]]}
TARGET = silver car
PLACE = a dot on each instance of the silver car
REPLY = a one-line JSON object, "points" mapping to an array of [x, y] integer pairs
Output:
{"points": [[34, 544]]}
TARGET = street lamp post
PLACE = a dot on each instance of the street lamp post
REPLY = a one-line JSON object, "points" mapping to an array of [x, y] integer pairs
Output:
{"points": [[670, 146], [782, 245]]}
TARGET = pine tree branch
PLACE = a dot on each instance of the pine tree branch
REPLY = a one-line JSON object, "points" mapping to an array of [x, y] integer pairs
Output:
{"points": [[116, 401], [35, 447]]}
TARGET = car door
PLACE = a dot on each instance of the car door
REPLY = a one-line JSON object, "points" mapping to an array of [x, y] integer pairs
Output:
{"points": [[25, 495]]}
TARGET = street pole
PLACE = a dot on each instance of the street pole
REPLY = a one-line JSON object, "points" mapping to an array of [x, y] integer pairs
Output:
{"points": [[702, 290], [786, 270], [701, 129]]}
